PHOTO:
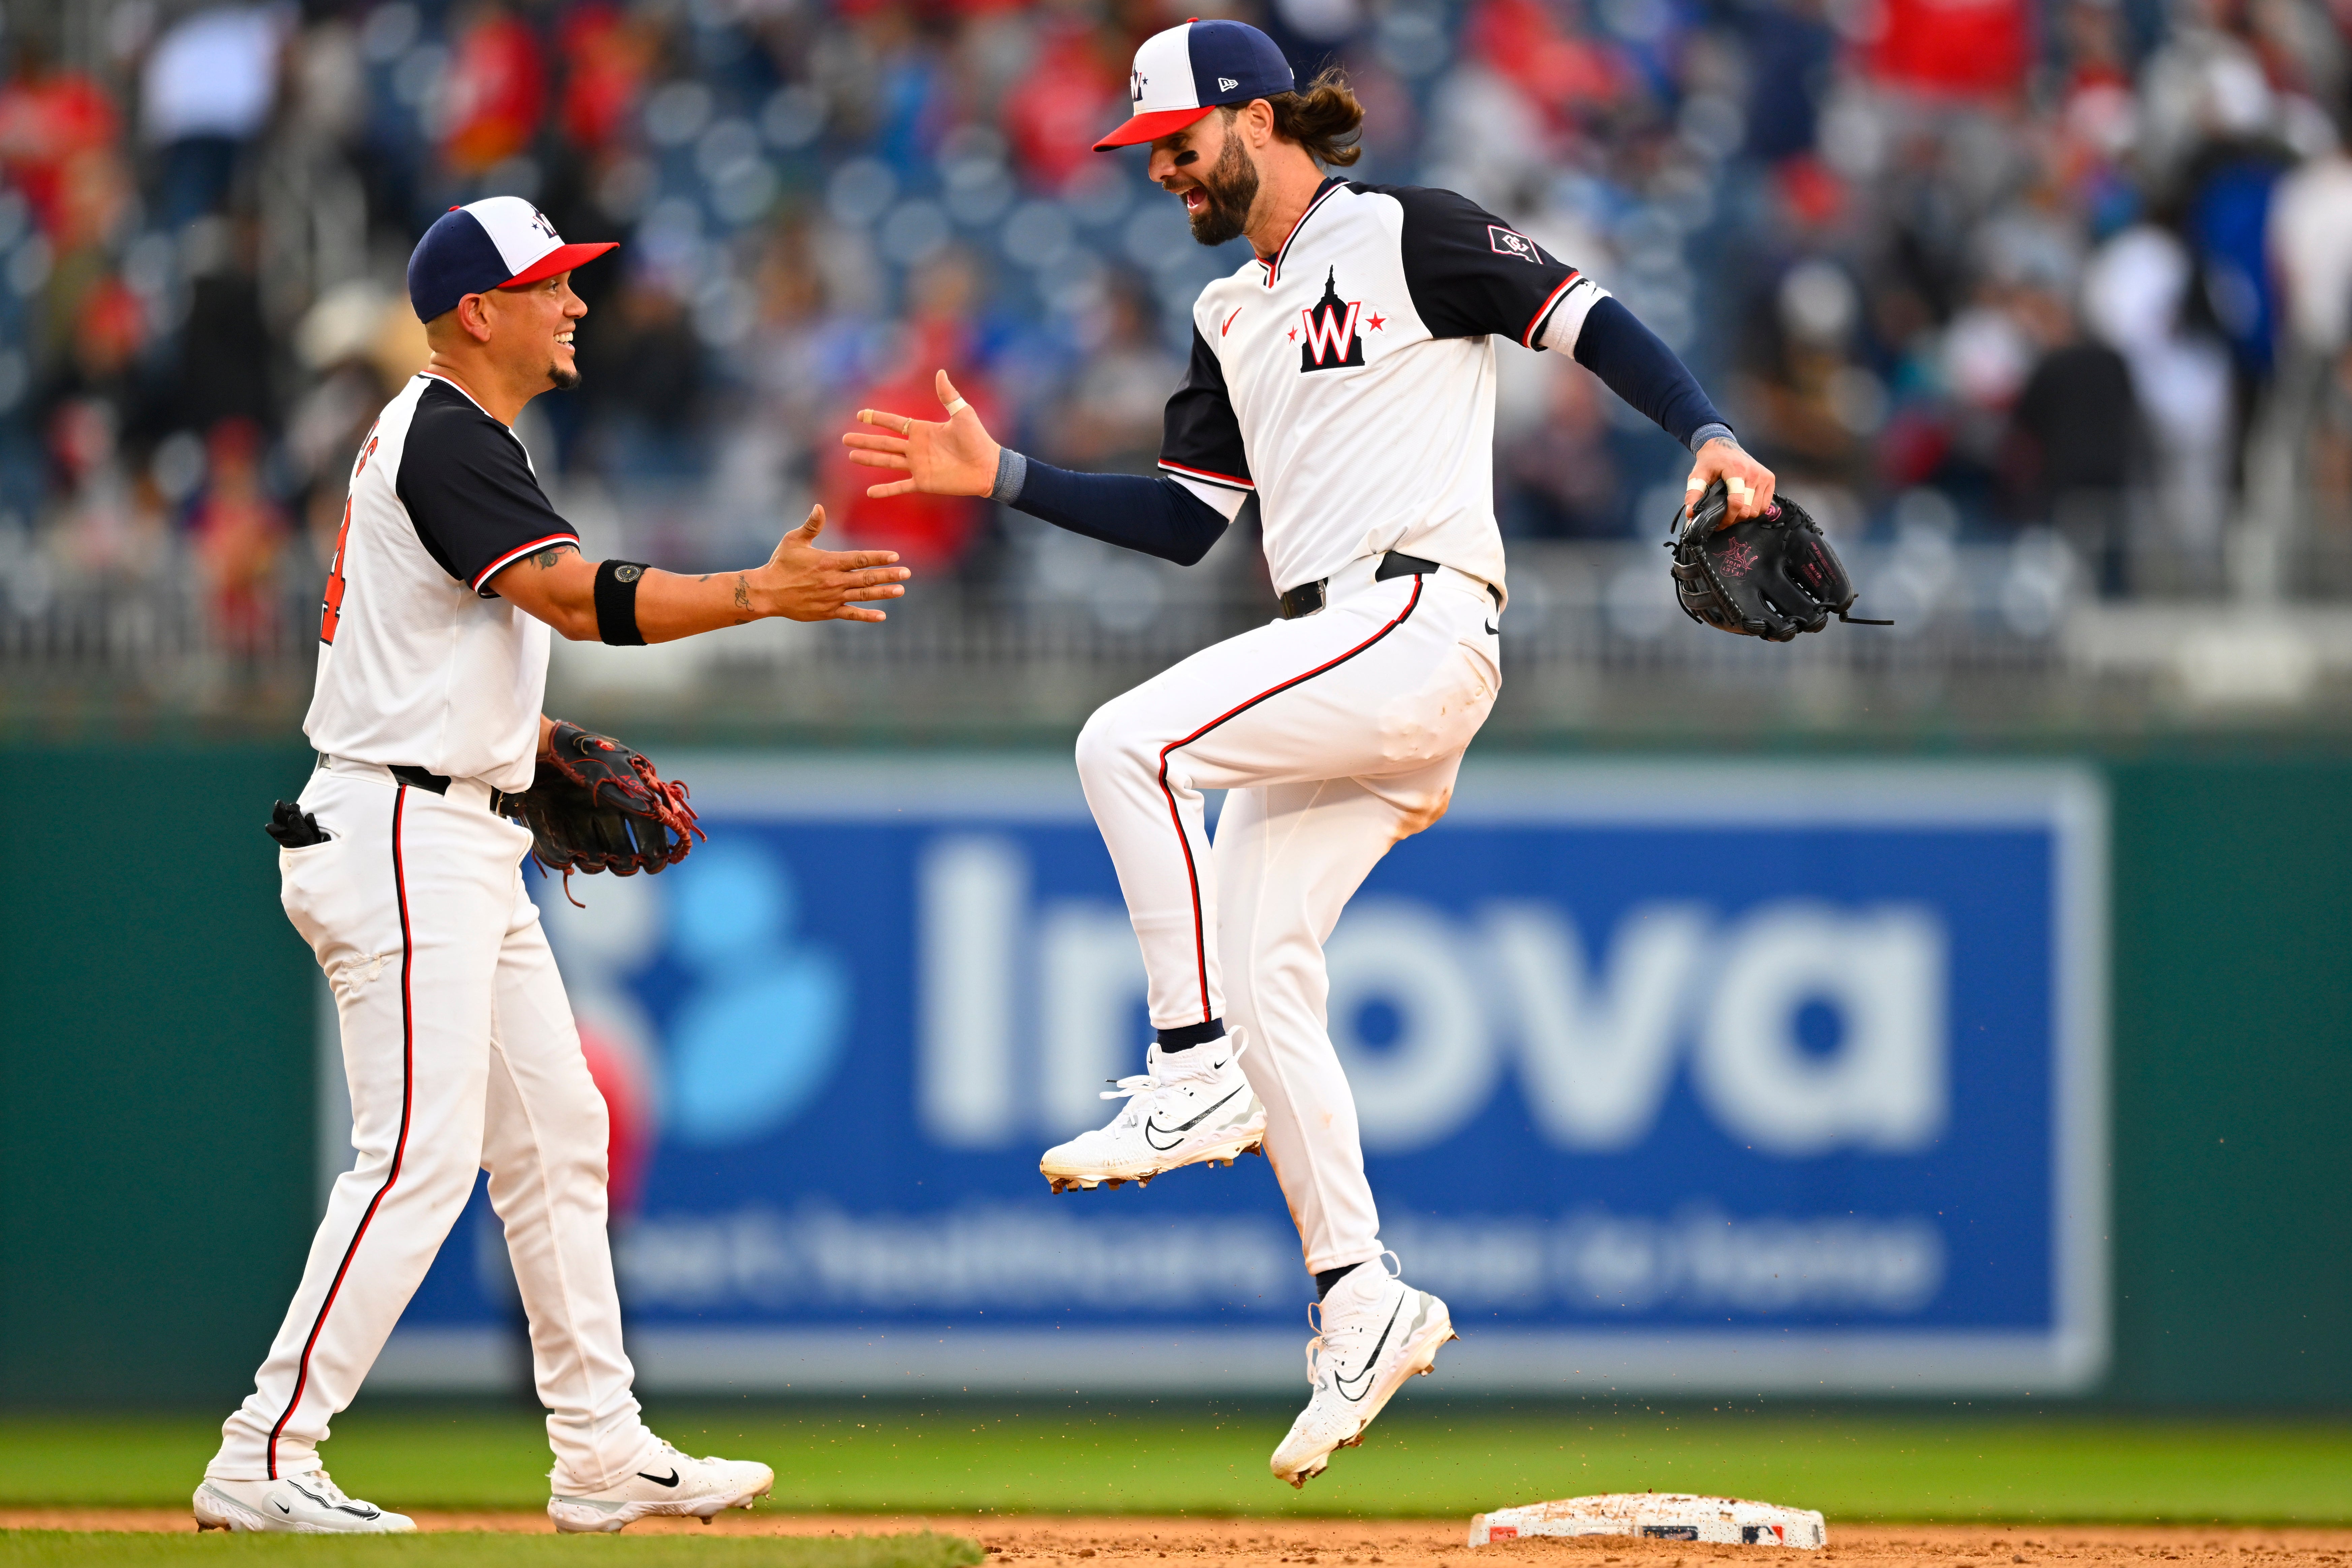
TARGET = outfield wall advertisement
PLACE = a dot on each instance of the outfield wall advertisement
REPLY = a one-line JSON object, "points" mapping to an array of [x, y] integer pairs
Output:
{"points": [[1677, 1077]]}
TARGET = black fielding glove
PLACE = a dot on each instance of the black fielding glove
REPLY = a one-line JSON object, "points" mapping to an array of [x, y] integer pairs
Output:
{"points": [[596, 806], [1770, 576]]}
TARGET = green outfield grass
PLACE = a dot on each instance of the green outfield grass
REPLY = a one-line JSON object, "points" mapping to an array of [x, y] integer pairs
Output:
{"points": [[58, 1549], [1424, 1458]]}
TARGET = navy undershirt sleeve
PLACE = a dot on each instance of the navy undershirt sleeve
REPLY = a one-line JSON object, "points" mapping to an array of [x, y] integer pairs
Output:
{"points": [[1159, 517], [1637, 366]]}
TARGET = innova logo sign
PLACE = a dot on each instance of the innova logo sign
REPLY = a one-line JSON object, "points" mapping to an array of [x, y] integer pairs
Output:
{"points": [[1695, 1077], [1593, 1031]]}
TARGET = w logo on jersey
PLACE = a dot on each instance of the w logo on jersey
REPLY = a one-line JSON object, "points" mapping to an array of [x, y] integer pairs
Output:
{"points": [[1331, 341]]}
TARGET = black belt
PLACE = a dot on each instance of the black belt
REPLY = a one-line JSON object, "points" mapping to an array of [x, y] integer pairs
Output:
{"points": [[502, 802], [1310, 597], [438, 784]]}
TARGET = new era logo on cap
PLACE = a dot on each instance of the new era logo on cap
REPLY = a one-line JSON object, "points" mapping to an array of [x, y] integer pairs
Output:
{"points": [[1181, 74], [498, 242]]}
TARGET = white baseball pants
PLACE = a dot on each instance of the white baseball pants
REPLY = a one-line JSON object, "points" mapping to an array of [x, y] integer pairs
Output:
{"points": [[462, 1056], [1337, 735]]}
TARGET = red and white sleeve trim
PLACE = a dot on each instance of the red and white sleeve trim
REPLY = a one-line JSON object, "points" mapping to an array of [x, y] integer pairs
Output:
{"points": [[1544, 310], [1207, 478], [517, 553]]}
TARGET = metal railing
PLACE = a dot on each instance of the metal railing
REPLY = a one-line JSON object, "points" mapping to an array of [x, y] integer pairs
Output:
{"points": [[1988, 637]]}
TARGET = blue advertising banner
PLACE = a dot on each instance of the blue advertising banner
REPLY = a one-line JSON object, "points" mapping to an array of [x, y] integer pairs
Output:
{"points": [[1695, 1077]]}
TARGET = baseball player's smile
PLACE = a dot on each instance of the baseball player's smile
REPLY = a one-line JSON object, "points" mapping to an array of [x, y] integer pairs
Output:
{"points": [[452, 574]]}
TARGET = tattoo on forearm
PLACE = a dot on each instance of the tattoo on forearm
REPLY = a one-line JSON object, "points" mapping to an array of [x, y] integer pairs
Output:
{"points": [[742, 592], [551, 555]]}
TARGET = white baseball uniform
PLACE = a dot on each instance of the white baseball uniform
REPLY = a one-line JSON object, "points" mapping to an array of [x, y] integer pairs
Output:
{"points": [[1349, 382], [457, 1039]]}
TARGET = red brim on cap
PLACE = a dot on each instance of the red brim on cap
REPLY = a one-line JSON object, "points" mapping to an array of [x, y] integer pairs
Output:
{"points": [[1152, 127], [563, 258]]}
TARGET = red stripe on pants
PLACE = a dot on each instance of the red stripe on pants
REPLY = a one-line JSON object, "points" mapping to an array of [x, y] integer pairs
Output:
{"points": [[399, 1148], [1184, 840]]}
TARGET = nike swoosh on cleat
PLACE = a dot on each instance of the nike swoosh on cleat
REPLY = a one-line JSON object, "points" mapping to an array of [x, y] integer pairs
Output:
{"points": [[668, 1481], [1150, 1127], [1363, 1379], [358, 1511], [281, 1507]]}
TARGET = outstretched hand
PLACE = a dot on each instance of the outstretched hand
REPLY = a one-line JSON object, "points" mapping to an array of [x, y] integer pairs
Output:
{"points": [[1749, 481], [802, 583], [954, 456]]}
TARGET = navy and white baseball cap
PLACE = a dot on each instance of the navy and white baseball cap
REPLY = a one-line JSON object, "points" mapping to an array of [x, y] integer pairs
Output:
{"points": [[498, 242], [1188, 71]]}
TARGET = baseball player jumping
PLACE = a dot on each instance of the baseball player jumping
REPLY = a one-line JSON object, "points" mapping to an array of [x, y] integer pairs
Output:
{"points": [[402, 871], [1345, 375]]}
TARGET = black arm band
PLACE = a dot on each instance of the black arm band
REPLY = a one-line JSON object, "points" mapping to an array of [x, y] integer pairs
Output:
{"points": [[617, 603]]}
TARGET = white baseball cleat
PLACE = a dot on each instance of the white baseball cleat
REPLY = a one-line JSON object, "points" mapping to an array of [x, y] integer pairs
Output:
{"points": [[307, 1504], [1186, 1108], [1375, 1331], [665, 1482]]}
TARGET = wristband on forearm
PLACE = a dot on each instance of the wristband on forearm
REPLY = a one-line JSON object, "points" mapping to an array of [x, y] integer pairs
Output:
{"points": [[617, 603], [1011, 473]]}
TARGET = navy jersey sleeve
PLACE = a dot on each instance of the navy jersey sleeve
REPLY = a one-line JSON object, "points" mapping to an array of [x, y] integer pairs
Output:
{"points": [[1470, 273], [1638, 367], [1159, 517], [1201, 439], [469, 489]]}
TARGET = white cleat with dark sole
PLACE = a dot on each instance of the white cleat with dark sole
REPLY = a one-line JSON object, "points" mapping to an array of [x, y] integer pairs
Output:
{"points": [[1186, 1108], [307, 1504], [665, 1482], [1375, 1331]]}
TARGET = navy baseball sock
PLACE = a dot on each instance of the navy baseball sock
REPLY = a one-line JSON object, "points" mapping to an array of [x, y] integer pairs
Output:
{"points": [[1330, 1276], [1191, 1034]]}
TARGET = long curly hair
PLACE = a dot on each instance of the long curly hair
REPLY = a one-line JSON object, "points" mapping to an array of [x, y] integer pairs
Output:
{"points": [[1326, 119]]}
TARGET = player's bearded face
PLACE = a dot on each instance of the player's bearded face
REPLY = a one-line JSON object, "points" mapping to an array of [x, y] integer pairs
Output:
{"points": [[1231, 188]]}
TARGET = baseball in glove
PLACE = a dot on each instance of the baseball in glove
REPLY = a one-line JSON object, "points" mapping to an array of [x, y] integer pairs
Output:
{"points": [[1770, 576], [596, 806]]}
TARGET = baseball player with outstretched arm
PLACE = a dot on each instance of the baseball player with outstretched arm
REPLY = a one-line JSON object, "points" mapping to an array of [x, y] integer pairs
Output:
{"points": [[1345, 376], [401, 869]]}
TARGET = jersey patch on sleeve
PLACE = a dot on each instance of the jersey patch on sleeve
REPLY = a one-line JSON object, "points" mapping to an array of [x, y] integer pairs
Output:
{"points": [[1511, 242], [1470, 273]]}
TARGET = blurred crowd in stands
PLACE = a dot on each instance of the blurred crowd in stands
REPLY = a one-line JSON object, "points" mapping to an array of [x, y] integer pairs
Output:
{"points": [[2076, 269]]}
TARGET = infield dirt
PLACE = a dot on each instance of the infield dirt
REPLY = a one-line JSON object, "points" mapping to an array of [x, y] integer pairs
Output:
{"points": [[1039, 1542]]}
